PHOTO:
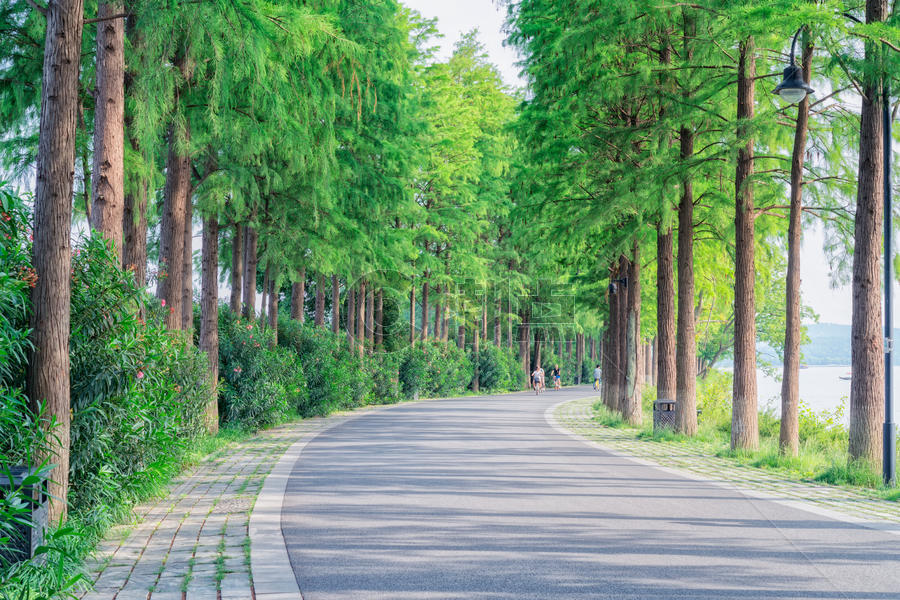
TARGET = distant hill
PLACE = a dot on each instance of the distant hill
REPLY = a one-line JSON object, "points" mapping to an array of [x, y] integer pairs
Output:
{"points": [[829, 344]]}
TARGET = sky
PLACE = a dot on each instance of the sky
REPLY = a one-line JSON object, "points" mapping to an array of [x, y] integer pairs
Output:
{"points": [[459, 16]]}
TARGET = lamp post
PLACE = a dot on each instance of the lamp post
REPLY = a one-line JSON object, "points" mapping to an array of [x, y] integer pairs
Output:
{"points": [[794, 89]]}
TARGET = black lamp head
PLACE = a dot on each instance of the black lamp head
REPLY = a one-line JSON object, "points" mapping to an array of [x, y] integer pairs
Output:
{"points": [[792, 88]]}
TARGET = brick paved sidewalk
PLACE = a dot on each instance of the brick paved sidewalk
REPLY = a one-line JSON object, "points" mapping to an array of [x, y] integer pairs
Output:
{"points": [[576, 417], [194, 543]]}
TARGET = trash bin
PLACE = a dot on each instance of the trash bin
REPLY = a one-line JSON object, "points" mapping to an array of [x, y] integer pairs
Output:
{"points": [[24, 540], [663, 415]]}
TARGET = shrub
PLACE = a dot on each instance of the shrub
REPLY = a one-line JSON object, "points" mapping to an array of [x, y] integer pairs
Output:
{"points": [[497, 369], [138, 393], [263, 383], [335, 378], [16, 281]]}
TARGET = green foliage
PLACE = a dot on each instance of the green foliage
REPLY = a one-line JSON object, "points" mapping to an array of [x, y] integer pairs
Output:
{"points": [[16, 279], [498, 368], [138, 393], [335, 378], [263, 384], [434, 369]]}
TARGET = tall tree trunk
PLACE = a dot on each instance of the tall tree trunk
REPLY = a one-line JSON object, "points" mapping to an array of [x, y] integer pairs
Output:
{"points": [[523, 347], [497, 336], [361, 318], [538, 339], [461, 336], [187, 280], [412, 315], [171, 234], [424, 310], [48, 369], [607, 362], [370, 319], [568, 347], [484, 319], [789, 435], [108, 186], [237, 269], [744, 416], [273, 305], [631, 409], [320, 300], [335, 304], [445, 322], [134, 234], [209, 315], [867, 347], [593, 350], [351, 316], [263, 306], [437, 312], [509, 322], [665, 315], [379, 321], [685, 341], [134, 210], [298, 297], [250, 263], [476, 383], [579, 356]]}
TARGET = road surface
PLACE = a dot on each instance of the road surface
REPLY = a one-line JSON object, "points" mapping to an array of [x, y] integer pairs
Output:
{"points": [[478, 498]]}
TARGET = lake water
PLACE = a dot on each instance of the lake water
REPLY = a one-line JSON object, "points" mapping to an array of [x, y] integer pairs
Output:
{"points": [[820, 387]]}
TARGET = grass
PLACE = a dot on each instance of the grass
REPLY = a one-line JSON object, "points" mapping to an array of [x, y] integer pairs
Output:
{"points": [[822, 455]]}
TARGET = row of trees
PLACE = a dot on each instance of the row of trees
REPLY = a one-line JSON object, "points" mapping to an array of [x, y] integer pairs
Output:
{"points": [[652, 131]]}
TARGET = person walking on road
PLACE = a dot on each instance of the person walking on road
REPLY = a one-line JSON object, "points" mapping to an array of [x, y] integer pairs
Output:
{"points": [[597, 373], [556, 381]]}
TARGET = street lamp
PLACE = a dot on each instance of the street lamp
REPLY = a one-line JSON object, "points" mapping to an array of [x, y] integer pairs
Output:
{"points": [[794, 89]]}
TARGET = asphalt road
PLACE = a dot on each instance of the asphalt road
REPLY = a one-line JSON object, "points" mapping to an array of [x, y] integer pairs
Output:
{"points": [[480, 498]]}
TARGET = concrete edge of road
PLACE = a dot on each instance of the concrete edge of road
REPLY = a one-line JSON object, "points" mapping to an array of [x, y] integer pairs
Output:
{"points": [[807, 506]]}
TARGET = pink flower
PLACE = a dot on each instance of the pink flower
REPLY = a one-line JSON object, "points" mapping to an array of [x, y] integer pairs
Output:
{"points": [[163, 301], [140, 374]]}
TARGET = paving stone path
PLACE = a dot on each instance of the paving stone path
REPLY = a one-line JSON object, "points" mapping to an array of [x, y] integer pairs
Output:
{"points": [[193, 544], [577, 417]]}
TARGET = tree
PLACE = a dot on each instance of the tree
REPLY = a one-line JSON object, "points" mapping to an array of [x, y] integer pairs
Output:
{"points": [[48, 374]]}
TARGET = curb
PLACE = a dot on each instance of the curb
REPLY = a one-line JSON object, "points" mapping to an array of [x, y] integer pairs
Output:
{"points": [[750, 494]]}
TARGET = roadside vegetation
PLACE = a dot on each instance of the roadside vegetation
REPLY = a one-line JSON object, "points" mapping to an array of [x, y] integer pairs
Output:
{"points": [[822, 455]]}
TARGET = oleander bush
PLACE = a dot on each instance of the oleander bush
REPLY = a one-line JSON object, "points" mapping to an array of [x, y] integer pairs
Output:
{"points": [[498, 369], [262, 383], [334, 377]]}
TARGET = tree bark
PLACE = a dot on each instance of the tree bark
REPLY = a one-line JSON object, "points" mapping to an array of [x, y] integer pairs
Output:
{"points": [[273, 306], [412, 315], [631, 408], [425, 310], [263, 305], [665, 315], [484, 318], [351, 317], [579, 356], [475, 351], [498, 341], [744, 415], [523, 347], [789, 434], [370, 319], [461, 336], [335, 304], [108, 184], [320, 300], [867, 331], [237, 268], [48, 369], [298, 297], [171, 234], [437, 312], [134, 234], [209, 315], [187, 279], [361, 318], [379, 321], [685, 340], [250, 263]]}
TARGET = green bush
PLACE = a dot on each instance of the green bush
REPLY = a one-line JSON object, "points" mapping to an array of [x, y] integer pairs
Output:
{"points": [[498, 369], [262, 383], [334, 377], [138, 393]]}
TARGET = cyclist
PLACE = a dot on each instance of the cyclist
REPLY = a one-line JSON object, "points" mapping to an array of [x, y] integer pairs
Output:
{"points": [[536, 380], [597, 373]]}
